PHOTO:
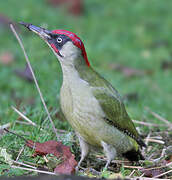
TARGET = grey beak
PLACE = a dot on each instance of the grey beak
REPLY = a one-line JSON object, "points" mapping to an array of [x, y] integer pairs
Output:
{"points": [[45, 34]]}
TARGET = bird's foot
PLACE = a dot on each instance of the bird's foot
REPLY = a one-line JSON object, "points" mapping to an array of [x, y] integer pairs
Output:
{"points": [[77, 168], [106, 166], [79, 165]]}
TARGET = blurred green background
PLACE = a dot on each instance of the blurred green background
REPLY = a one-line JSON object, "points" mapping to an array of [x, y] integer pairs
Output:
{"points": [[128, 42]]}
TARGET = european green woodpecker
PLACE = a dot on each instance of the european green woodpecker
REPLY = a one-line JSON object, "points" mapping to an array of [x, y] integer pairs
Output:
{"points": [[90, 103]]}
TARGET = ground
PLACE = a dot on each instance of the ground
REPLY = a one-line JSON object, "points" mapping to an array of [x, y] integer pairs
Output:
{"points": [[128, 42]]}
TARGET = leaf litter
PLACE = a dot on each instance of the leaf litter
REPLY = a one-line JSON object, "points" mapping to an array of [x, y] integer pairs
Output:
{"points": [[62, 152]]}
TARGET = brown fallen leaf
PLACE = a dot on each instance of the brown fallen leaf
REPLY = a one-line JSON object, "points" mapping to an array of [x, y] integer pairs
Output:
{"points": [[66, 167], [68, 164], [6, 58], [75, 7], [151, 172], [25, 74]]}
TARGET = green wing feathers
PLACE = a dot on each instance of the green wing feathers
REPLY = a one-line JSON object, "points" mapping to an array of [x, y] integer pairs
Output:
{"points": [[116, 114]]}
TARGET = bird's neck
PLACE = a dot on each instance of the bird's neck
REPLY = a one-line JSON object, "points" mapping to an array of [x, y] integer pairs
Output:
{"points": [[72, 73]]}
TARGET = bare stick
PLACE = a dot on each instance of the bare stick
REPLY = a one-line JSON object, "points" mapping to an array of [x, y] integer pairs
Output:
{"points": [[20, 152], [35, 170], [133, 167], [15, 134], [146, 140], [167, 172], [22, 122], [23, 116], [149, 124], [132, 173], [158, 117], [23, 164], [155, 140], [162, 156], [34, 78], [146, 178]]}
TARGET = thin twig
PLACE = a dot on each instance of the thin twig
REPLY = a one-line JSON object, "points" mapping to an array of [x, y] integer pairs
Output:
{"points": [[15, 134], [133, 167], [142, 175], [100, 157], [162, 156], [33, 75], [155, 140], [149, 124], [167, 172], [159, 167], [146, 140], [22, 122], [169, 164], [23, 164], [159, 117], [146, 178], [156, 137], [35, 170], [30, 163], [21, 150], [23, 116], [132, 173]]}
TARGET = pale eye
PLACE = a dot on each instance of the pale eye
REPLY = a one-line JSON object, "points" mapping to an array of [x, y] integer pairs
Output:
{"points": [[59, 40]]}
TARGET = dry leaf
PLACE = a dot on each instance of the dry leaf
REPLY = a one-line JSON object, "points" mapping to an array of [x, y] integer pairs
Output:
{"points": [[68, 164]]}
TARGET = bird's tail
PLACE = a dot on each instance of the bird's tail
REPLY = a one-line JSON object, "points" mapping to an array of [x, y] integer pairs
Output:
{"points": [[133, 155]]}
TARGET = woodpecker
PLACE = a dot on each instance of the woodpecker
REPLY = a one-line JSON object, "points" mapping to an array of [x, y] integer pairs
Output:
{"points": [[91, 105]]}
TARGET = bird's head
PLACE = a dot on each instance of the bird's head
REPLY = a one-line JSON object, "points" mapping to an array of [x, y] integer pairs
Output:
{"points": [[66, 45]]}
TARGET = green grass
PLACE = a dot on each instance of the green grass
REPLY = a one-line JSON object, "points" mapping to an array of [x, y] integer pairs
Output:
{"points": [[122, 32]]}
